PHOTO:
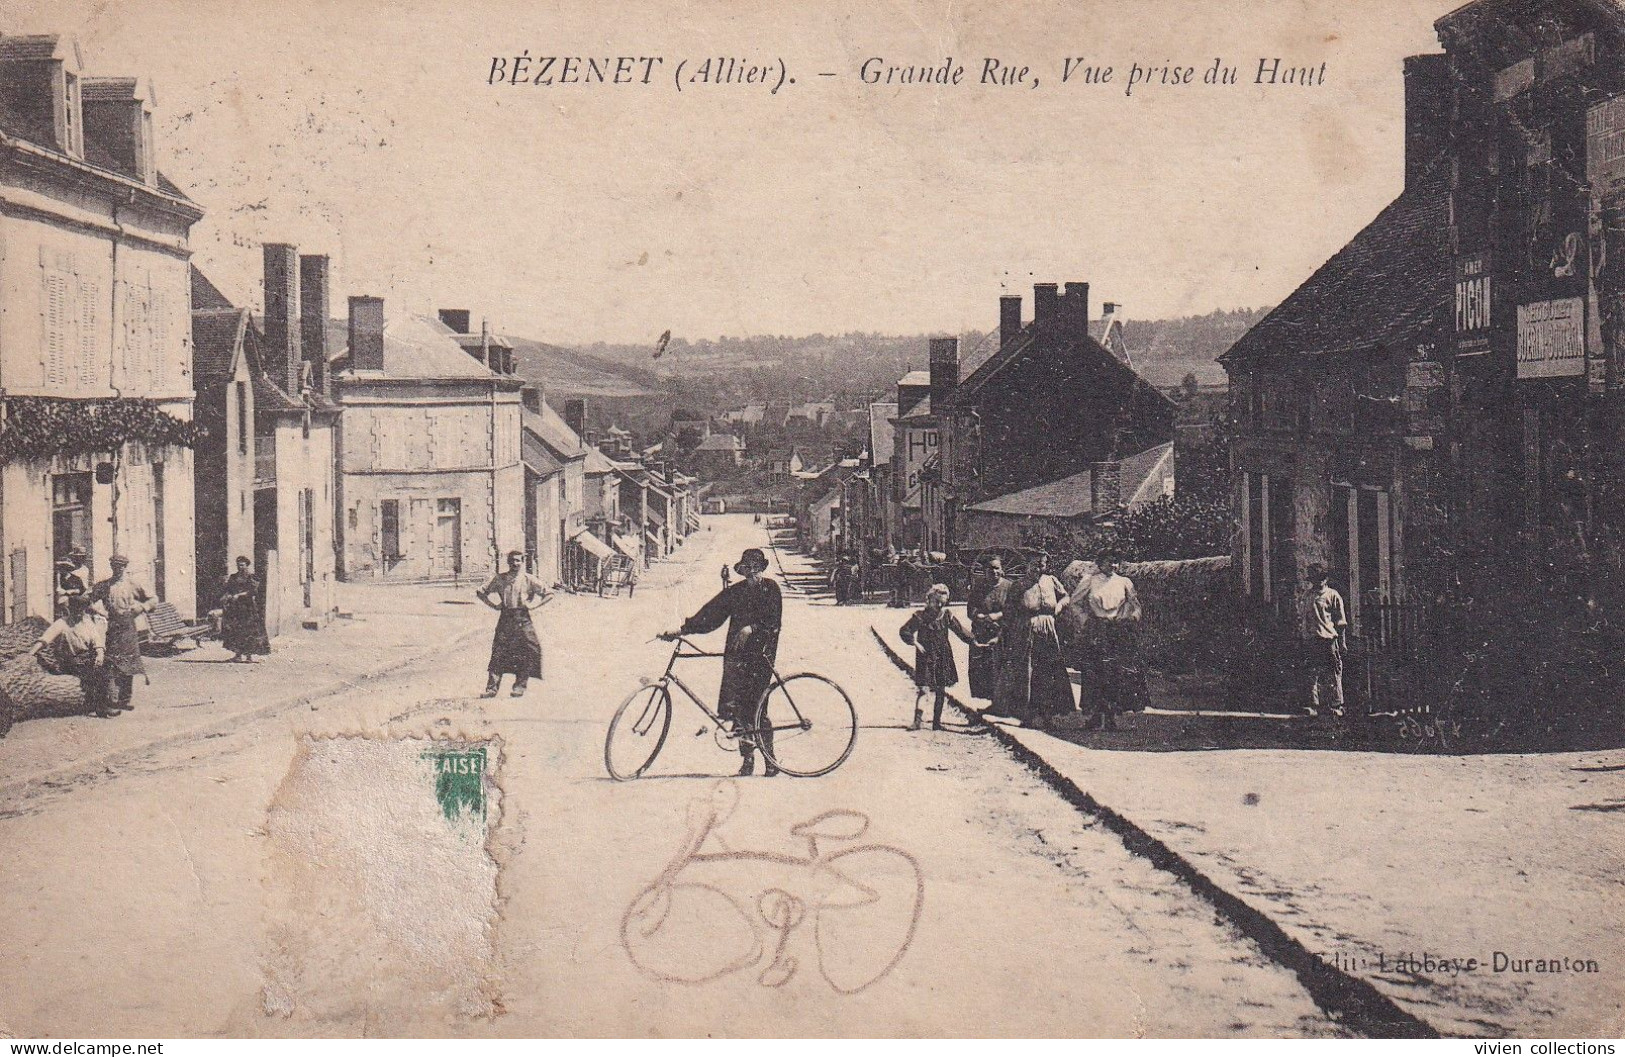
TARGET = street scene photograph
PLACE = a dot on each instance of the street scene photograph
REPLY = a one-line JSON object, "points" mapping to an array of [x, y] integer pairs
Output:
{"points": [[919, 520]]}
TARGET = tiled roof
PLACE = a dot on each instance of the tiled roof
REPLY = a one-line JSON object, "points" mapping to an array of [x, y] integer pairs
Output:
{"points": [[31, 48], [117, 89], [1391, 278], [721, 442], [921, 409], [1069, 497]]}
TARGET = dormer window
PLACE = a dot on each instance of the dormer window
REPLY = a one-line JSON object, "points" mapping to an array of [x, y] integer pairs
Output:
{"points": [[40, 91]]}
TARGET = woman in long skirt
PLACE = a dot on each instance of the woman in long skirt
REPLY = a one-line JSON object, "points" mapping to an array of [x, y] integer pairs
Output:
{"points": [[989, 597], [242, 619], [1035, 686]]}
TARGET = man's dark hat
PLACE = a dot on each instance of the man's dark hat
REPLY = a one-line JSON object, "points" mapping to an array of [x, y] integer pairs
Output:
{"points": [[753, 558]]}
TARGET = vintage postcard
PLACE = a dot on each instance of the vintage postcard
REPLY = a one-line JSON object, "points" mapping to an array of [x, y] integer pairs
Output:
{"points": [[739, 519]]}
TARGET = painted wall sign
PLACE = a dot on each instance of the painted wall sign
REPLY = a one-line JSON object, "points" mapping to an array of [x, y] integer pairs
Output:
{"points": [[1605, 144], [1551, 338], [1472, 297]]}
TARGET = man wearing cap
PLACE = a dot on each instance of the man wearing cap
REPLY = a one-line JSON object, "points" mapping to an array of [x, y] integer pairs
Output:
{"points": [[122, 599], [753, 609], [514, 648], [73, 575]]}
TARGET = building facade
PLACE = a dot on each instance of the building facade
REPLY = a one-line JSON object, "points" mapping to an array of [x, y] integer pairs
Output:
{"points": [[432, 483], [97, 246]]}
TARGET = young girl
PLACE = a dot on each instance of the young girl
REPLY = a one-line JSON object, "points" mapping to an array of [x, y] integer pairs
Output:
{"points": [[934, 668]]}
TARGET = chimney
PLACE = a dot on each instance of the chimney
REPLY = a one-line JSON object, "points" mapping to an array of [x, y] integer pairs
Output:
{"points": [[455, 318], [1009, 318], [944, 372], [315, 305], [283, 363], [1046, 299], [1427, 112], [366, 333], [1105, 487], [575, 416], [1108, 309], [1076, 307], [531, 396]]}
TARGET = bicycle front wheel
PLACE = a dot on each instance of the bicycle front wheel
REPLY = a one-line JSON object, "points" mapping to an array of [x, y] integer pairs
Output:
{"points": [[637, 732], [806, 725]]}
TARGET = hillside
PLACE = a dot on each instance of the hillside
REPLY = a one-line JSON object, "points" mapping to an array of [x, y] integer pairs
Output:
{"points": [[731, 371], [567, 372]]}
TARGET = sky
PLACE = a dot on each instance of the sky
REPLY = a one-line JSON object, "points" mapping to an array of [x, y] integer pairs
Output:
{"points": [[575, 213]]}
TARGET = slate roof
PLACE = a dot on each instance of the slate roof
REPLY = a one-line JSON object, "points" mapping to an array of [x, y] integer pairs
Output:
{"points": [[880, 432], [206, 296], [1391, 279], [598, 462], [1070, 497], [421, 347], [216, 336], [538, 459], [550, 428]]}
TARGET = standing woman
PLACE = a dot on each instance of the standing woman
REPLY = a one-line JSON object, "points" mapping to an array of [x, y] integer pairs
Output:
{"points": [[1036, 686], [989, 597], [242, 620]]}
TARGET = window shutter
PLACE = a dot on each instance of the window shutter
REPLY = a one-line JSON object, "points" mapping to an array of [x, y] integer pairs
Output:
{"points": [[89, 316]]}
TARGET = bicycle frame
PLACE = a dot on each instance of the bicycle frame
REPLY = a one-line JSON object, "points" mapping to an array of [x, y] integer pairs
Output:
{"points": [[670, 678]]}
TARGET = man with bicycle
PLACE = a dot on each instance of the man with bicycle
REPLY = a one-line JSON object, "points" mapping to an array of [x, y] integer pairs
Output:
{"points": [[753, 609]]}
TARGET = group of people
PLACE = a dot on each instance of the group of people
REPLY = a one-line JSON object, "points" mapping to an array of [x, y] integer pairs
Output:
{"points": [[96, 637], [1019, 651]]}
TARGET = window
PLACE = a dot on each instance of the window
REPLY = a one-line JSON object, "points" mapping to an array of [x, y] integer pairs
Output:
{"points": [[1269, 545], [70, 515], [389, 522], [242, 418]]}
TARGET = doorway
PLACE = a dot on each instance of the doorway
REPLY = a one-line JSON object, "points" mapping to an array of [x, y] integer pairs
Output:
{"points": [[446, 555]]}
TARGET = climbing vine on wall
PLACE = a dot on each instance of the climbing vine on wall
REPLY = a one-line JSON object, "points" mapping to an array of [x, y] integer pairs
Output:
{"points": [[40, 427]]}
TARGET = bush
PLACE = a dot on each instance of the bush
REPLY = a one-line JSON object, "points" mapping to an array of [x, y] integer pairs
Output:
{"points": [[1171, 528]]}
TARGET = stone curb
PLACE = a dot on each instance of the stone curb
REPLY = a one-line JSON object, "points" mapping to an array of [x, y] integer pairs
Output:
{"points": [[1351, 1001]]}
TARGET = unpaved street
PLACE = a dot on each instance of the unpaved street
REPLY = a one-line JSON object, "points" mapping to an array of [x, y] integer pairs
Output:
{"points": [[136, 896]]}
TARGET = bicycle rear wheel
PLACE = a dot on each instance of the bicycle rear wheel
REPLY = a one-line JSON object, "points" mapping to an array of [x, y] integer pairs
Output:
{"points": [[806, 725], [637, 732]]}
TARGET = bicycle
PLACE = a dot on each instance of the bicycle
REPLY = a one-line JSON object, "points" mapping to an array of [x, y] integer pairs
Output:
{"points": [[804, 723]]}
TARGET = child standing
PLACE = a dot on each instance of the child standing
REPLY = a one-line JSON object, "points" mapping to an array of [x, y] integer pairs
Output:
{"points": [[934, 668]]}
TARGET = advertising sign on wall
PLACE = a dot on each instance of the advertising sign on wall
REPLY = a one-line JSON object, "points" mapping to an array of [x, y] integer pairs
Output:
{"points": [[1551, 338]]}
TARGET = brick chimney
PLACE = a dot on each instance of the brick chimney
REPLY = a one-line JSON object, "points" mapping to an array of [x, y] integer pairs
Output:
{"points": [[366, 333], [944, 371], [1427, 112], [531, 396], [1105, 487], [1046, 299], [315, 306], [1075, 307], [456, 318], [575, 416], [283, 361], [1009, 318]]}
